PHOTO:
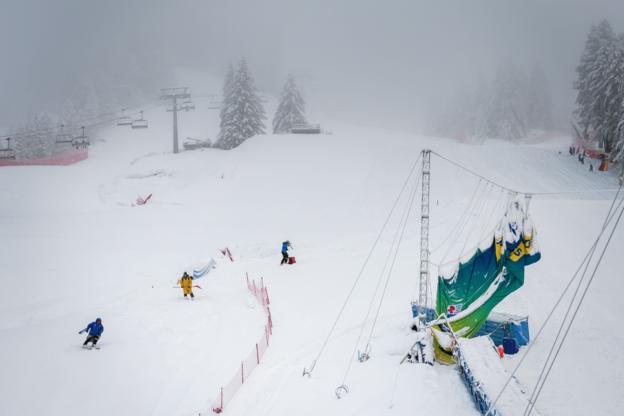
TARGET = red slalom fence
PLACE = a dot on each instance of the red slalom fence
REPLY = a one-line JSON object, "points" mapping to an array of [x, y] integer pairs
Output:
{"points": [[253, 358]]}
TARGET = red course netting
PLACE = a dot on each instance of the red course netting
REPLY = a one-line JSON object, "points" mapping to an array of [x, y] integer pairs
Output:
{"points": [[255, 355], [61, 159]]}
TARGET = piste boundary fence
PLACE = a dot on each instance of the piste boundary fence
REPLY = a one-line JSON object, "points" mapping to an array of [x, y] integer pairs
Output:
{"points": [[252, 360]]}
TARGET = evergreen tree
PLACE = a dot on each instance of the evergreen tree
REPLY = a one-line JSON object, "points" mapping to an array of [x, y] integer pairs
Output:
{"points": [[227, 105], [291, 109], [594, 79], [507, 108], [539, 107], [243, 114]]}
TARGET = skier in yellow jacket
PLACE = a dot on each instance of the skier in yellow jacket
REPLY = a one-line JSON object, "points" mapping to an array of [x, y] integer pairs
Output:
{"points": [[186, 282]]}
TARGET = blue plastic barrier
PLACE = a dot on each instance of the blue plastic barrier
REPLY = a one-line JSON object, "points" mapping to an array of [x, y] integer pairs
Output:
{"points": [[497, 326]]}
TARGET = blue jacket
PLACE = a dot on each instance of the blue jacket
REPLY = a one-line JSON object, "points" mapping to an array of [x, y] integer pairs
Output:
{"points": [[95, 329], [285, 246]]}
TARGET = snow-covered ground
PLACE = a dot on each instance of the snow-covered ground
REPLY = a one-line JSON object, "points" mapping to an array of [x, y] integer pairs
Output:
{"points": [[73, 248]]}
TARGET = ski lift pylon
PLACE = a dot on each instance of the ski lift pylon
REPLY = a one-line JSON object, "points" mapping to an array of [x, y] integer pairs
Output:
{"points": [[7, 153], [124, 120], [62, 136], [139, 123], [82, 141]]}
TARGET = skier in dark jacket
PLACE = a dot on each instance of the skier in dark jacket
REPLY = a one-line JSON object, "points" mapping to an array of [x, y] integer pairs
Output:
{"points": [[94, 330], [285, 247]]}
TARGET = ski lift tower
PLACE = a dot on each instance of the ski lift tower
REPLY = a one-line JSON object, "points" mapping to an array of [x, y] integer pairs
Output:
{"points": [[424, 238], [175, 94]]}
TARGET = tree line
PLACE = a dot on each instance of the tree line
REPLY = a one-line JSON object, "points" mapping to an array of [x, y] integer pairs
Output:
{"points": [[242, 113]]}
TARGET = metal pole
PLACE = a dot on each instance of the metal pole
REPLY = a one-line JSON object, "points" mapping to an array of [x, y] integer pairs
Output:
{"points": [[424, 237], [175, 124]]}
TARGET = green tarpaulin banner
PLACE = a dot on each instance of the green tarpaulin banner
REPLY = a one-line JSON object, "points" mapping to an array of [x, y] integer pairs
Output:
{"points": [[483, 281]]}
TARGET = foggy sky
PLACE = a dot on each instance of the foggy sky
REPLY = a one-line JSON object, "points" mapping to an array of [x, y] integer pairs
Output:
{"points": [[355, 58]]}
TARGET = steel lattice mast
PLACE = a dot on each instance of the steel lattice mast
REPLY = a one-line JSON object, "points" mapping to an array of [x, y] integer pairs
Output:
{"points": [[424, 236]]}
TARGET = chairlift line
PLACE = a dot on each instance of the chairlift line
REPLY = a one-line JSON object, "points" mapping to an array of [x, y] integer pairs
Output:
{"points": [[62, 136], [7, 153], [139, 123], [82, 141], [124, 120]]}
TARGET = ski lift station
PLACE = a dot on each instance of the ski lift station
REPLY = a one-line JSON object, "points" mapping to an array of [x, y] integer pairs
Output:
{"points": [[306, 129]]}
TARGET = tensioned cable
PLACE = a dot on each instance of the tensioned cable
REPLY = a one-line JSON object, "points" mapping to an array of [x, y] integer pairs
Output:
{"points": [[465, 221], [459, 221], [396, 244], [333, 327], [608, 219], [396, 253], [531, 404], [476, 221], [88, 121], [513, 190]]}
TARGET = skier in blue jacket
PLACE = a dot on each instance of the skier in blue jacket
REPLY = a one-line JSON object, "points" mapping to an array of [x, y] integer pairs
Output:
{"points": [[94, 330], [285, 247]]}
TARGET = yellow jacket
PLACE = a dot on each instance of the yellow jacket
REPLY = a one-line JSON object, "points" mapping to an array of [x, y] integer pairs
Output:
{"points": [[186, 282]]}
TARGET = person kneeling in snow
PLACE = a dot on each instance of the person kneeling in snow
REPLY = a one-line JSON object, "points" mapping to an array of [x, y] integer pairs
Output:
{"points": [[186, 282], [94, 330], [285, 247]]}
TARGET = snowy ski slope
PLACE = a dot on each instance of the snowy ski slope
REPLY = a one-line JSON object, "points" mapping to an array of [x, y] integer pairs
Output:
{"points": [[74, 248]]}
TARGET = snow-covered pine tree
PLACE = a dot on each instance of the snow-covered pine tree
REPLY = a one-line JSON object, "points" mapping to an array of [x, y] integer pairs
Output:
{"points": [[227, 105], [619, 143], [245, 113], [539, 105], [507, 110], [588, 73], [291, 108]]}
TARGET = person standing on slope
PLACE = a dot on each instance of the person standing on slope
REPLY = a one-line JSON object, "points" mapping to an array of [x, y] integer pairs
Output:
{"points": [[186, 282], [285, 247], [94, 330]]}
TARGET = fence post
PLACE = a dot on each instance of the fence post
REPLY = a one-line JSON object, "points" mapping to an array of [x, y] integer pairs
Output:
{"points": [[257, 354], [270, 322], [221, 407], [242, 373]]}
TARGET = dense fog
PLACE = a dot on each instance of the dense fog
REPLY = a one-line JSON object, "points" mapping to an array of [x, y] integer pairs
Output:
{"points": [[401, 61]]}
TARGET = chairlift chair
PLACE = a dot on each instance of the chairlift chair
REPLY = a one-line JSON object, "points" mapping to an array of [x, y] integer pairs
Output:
{"points": [[7, 153], [62, 136], [82, 141], [214, 104], [188, 105], [124, 120], [139, 123]]}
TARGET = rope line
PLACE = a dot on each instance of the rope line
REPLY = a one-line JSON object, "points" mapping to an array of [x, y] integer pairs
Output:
{"points": [[472, 172], [608, 219], [333, 327], [396, 244], [537, 391]]}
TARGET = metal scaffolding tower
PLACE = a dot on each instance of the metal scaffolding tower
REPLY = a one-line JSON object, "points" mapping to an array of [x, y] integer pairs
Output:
{"points": [[424, 237]]}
